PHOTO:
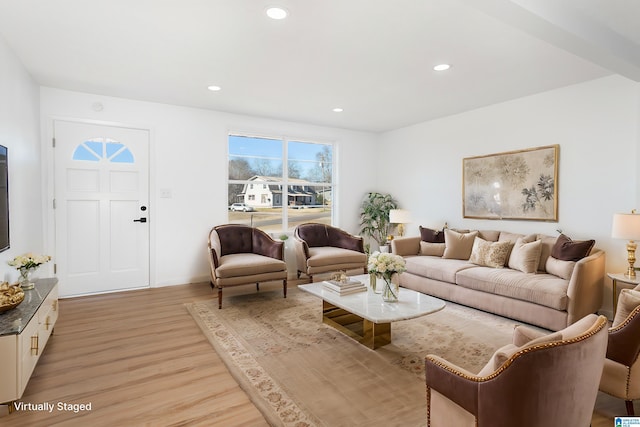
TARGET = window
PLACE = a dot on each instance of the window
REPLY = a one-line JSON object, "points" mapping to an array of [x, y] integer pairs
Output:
{"points": [[97, 149], [294, 178]]}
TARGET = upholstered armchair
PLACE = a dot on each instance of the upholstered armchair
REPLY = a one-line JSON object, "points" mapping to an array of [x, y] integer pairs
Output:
{"points": [[538, 380], [242, 255], [322, 248], [621, 374]]}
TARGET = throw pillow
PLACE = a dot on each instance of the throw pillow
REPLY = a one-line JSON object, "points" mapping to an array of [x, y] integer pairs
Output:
{"points": [[525, 254], [431, 236], [560, 268], [627, 301], [490, 254], [571, 250], [432, 249], [458, 245]]}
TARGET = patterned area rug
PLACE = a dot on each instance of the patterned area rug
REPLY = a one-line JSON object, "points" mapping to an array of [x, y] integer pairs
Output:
{"points": [[300, 372]]}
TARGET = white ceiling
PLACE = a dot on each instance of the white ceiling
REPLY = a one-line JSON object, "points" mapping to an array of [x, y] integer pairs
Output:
{"points": [[373, 58]]}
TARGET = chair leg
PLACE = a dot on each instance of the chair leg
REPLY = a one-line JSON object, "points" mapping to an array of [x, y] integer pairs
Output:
{"points": [[629, 404], [258, 287], [219, 298], [211, 284], [310, 279], [284, 287]]}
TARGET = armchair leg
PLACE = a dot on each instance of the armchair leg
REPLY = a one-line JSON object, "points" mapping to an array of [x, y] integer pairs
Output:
{"points": [[219, 298], [299, 273], [629, 404], [310, 279], [257, 286], [284, 287]]}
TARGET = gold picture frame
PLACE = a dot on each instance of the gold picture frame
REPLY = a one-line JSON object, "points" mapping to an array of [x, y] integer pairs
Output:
{"points": [[512, 185]]}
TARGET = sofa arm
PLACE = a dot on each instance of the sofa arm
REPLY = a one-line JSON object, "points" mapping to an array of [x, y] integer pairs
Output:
{"points": [[341, 239], [624, 346], [264, 245], [406, 246], [454, 383], [586, 286]]}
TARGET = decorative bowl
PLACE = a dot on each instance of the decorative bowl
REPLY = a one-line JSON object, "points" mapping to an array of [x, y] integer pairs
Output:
{"points": [[10, 296]]}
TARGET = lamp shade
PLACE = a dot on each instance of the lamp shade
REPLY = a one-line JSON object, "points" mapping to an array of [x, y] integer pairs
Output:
{"points": [[399, 216], [625, 226]]}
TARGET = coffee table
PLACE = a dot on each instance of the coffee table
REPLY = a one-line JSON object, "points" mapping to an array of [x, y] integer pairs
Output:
{"points": [[365, 317]]}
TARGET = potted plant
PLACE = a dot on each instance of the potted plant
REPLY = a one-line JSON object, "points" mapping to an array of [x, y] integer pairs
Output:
{"points": [[374, 216]]}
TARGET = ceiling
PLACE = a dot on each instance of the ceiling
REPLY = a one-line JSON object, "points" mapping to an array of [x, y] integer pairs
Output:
{"points": [[372, 58]]}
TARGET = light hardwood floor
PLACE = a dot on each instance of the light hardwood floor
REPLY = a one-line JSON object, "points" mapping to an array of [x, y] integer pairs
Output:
{"points": [[140, 360]]}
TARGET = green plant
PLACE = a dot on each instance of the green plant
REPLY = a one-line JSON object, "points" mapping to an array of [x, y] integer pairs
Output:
{"points": [[374, 216], [284, 237]]}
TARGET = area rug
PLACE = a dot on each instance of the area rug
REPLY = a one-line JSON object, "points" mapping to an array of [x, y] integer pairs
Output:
{"points": [[300, 372]]}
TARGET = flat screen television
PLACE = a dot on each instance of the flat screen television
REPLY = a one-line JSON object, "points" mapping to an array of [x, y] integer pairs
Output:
{"points": [[4, 199]]}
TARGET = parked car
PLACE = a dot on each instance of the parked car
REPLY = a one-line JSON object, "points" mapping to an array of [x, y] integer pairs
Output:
{"points": [[241, 207]]}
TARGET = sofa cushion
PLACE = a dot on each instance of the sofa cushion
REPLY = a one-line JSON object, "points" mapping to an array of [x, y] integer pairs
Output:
{"points": [[525, 255], [458, 245], [628, 300], [431, 236], [489, 235], [571, 250], [560, 268], [543, 289], [436, 268], [432, 249], [246, 264], [328, 255], [490, 254], [547, 245]]}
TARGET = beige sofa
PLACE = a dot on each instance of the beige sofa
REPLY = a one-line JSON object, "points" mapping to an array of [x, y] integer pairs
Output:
{"points": [[527, 283]]}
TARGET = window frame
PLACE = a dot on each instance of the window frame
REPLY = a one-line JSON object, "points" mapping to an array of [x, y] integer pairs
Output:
{"points": [[284, 184]]}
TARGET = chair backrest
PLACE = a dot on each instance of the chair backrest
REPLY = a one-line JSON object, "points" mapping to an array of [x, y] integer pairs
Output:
{"points": [[314, 234], [234, 239], [550, 384]]}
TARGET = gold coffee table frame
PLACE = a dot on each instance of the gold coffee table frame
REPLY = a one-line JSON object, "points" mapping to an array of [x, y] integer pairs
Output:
{"points": [[366, 332]]}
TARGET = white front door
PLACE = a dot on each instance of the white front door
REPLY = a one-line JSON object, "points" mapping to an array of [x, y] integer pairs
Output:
{"points": [[101, 207]]}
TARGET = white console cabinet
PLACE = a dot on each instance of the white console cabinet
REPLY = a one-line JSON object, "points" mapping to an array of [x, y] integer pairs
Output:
{"points": [[24, 331]]}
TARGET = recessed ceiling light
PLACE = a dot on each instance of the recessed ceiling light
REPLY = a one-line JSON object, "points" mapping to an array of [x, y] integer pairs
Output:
{"points": [[214, 88], [338, 110], [442, 67], [277, 12]]}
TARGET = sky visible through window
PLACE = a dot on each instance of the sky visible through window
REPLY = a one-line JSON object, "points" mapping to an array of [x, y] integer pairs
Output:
{"points": [[305, 156]]}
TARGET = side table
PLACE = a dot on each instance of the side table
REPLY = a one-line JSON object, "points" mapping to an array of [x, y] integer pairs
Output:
{"points": [[622, 278]]}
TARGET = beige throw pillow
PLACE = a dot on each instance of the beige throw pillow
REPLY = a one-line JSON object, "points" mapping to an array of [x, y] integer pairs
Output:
{"points": [[525, 255], [458, 245], [560, 268], [627, 301], [490, 254], [432, 249]]}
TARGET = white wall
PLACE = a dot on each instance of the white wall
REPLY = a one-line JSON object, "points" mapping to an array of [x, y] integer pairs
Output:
{"points": [[20, 133], [597, 127], [188, 156]]}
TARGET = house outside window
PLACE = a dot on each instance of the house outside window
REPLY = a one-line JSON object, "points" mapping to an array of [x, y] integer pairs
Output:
{"points": [[294, 181]]}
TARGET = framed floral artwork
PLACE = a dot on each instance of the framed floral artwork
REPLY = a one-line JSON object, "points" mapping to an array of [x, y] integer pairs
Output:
{"points": [[512, 185]]}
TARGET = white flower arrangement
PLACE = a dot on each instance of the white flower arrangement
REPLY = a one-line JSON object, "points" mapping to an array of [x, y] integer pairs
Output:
{"points": [[28, 261], [386, 264]]}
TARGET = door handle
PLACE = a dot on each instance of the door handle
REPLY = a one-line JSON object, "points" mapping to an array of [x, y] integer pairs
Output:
{"points": [[140, 220]]}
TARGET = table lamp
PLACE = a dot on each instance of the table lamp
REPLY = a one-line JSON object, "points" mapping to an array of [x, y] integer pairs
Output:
{"points": [[400, 217], [627, 226]]}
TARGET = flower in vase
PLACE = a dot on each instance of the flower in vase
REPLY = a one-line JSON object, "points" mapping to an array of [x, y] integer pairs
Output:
{"points": [[386, 264], [28, 261]]}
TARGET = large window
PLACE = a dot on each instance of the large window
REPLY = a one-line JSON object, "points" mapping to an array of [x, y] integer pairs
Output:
{"points": [[276, 184]]}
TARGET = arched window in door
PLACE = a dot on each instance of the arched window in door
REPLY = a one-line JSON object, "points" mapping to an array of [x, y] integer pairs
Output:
{"points": [[97, 149]]}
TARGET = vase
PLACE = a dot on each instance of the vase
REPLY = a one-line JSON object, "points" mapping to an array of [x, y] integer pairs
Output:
{"points": [[390, 288], [25, 278], [375, 282]]}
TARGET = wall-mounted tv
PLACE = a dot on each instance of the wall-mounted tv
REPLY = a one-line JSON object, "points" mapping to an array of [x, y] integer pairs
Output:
{"points": [[4, 199]]}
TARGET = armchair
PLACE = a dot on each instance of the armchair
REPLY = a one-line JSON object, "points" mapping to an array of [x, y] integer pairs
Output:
{"points": [[539, 380], [241, 255], [621, 373], [322, 248]]}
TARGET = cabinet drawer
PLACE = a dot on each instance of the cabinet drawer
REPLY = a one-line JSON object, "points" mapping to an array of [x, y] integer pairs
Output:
{"points": [[29, 351]]}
